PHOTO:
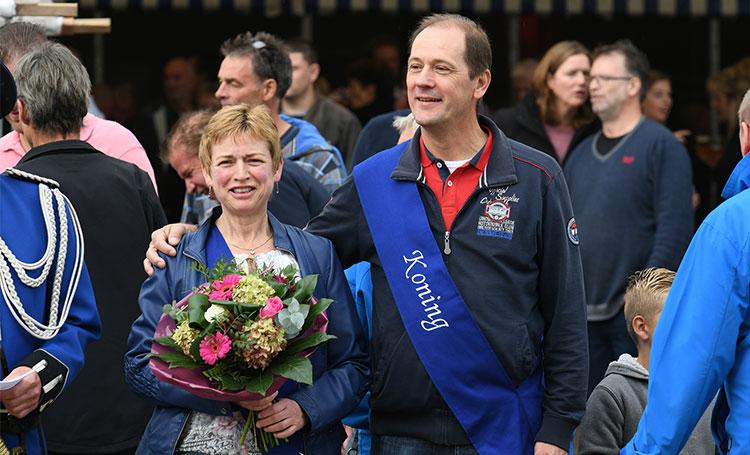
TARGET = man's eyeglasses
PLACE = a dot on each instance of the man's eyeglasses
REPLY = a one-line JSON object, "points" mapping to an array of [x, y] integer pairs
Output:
{"points": [[601, 79]]}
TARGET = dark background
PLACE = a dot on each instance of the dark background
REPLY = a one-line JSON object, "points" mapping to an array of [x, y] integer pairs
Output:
{"points": [[141, 41]]}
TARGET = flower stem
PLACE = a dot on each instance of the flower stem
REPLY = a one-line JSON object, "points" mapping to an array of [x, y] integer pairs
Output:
{"points": [[247, 425]]}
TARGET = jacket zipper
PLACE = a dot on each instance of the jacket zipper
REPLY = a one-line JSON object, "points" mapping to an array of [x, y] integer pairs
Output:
{"points": [[447, 242]]}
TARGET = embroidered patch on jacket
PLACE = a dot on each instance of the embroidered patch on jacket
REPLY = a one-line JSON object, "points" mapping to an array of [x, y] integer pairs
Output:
{"points": [[573, 231], [496, 220]]}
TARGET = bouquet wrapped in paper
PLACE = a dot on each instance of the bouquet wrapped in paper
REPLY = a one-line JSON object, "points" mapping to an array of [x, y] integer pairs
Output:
{"points": [[240, 335]]}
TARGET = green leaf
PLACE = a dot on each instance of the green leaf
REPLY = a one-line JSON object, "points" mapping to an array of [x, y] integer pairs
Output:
{"points": [[315, 310], [295, 368], [310, 341], [279, 288], [305, 288], [197, 306], [195, 348], [230, 383], [177, 360], [260, 382], [168, 342]]}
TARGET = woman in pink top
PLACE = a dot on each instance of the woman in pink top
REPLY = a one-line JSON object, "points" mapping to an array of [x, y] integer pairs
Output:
{"points": [[556, 115]]}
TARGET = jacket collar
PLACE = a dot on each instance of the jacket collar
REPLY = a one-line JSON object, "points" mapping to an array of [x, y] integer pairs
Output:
{"points": [[58, 146], [739, 180], [195, 243], [500, 169]]}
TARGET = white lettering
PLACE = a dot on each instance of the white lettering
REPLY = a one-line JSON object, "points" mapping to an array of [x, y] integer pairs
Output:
{"points": [[429, 326], [424, 293]]}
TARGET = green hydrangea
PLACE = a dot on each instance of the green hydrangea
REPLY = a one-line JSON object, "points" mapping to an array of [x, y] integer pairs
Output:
{"points": [[184, 336], [252, 289], [265, 342]]}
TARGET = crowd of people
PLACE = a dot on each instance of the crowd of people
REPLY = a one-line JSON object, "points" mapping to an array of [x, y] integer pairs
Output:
{"points": [[497, 279]]}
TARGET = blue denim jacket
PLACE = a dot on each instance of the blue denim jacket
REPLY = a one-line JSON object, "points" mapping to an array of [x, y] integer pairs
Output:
{"points": [[340, 367]]}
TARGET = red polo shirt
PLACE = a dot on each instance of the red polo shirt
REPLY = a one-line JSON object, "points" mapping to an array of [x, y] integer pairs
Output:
{"points": [[453, 189]]}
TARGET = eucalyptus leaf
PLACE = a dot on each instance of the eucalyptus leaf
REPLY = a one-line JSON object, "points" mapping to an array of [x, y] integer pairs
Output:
{"points": [[298, 320], [295, 368], [260, 382]]}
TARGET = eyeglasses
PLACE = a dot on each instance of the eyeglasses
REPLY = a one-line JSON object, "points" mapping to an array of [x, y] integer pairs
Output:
{"points": [[601, 79]]}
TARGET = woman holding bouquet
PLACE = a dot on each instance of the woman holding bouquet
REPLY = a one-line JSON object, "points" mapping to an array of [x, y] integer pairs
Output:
{"points": [[241, 162]]}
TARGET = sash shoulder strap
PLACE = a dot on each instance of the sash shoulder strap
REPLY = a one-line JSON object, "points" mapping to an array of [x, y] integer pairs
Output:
{"points": [[454, 351]]}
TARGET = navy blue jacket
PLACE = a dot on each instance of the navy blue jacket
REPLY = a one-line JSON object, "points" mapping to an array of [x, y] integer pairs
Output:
{"points": [[340, 367], [520, 278]]}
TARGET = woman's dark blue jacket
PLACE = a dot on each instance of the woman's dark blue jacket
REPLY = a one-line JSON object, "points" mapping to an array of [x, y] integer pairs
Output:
{"points": [[340, 367]]}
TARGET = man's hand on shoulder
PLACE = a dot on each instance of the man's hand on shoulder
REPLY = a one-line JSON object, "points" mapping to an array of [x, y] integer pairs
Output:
{"points": [[542, 448], [164, 240]]}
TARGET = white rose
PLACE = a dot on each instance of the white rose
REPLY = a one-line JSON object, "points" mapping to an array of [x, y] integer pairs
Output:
{"points": [[213, 312]]}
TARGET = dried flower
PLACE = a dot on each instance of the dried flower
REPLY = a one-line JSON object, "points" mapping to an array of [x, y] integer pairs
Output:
{"points": [[268, 342], [184, 336], [252, 289]]}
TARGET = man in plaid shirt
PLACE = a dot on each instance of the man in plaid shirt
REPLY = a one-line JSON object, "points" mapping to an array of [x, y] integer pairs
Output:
{"points": [[256, 70]]}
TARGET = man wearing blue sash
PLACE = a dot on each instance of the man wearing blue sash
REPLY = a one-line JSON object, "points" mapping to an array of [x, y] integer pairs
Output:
{"points": [[479, 326], [479, 322]]}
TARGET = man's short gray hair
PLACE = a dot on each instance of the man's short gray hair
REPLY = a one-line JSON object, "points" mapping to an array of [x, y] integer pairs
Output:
{"points": [[744, 112], [17, 39], [54, 86]]}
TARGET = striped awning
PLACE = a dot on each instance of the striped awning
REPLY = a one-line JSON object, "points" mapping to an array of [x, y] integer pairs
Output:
{"points": [[273, 8]]}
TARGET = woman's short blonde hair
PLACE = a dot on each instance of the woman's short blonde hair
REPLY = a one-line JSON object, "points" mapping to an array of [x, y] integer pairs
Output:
{"points": [[236, 122]]}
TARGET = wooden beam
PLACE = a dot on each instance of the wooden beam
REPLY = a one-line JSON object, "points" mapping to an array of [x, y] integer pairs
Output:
{"points": [[85, 26], [46, 9]]}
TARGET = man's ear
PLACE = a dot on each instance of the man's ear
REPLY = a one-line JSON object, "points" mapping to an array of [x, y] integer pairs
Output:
{"points": [[634, 87], [268, 89], [314, 72], [23, 113], [482, 84], [745, 137]]}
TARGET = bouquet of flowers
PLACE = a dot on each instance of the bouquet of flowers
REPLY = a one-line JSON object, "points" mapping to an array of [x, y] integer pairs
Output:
{"points": [[240, 335]]}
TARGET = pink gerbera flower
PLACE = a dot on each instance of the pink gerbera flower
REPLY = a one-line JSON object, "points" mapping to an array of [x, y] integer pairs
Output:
{"points": [[214, 347], [223, 288]]}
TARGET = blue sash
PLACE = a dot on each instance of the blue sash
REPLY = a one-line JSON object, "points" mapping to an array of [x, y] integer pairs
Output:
{"points": [[498, 418], [216, 247]]}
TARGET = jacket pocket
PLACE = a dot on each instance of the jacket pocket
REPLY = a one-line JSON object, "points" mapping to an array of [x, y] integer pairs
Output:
{"points": [[512, 345]]}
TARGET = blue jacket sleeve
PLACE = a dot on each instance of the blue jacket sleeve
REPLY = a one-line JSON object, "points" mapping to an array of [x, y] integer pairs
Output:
{"points": [[156, 292], [673, 210], [360, 284], [563, 306], [341, 387], [695, 343]]}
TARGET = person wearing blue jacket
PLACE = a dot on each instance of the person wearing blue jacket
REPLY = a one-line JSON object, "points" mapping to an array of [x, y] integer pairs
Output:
{"points": [[241, 158], [61, 318], [701, 344]]}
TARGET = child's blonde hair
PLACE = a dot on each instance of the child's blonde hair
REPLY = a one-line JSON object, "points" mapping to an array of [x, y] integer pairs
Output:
{"points": [[647, 289]]}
